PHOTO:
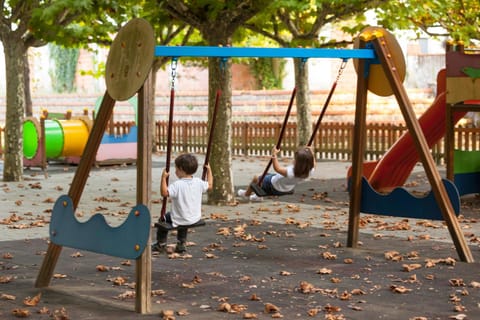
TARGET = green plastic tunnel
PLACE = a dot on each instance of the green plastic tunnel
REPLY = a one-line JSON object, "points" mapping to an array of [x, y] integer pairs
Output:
{"points": [[62, 138]]}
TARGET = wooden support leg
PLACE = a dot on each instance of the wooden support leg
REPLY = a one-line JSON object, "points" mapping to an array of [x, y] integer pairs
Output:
{"points": [[429, 165], [144, 190], [78, 184], [358, 152]]}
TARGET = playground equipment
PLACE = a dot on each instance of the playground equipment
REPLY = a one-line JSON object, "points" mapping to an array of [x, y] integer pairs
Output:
{"points": [[128, 68], [463, 95], [62, 137], [49, 138]]}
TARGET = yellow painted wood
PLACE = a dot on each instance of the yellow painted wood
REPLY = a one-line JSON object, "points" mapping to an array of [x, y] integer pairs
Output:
{"points": [[462, 88], [377, 80]]}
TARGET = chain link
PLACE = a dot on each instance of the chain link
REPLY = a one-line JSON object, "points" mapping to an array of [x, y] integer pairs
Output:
{"points": [[341, 69], [173, 68]]}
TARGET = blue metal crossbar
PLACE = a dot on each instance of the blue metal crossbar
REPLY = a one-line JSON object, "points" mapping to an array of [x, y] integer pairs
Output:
{"points": [[233, 52]]}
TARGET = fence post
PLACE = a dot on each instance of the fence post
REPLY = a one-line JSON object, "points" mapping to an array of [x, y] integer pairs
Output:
{"points": [[245, 138]]}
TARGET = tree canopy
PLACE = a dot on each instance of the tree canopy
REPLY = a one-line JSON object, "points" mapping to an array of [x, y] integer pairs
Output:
{"points": [[458, 20]]}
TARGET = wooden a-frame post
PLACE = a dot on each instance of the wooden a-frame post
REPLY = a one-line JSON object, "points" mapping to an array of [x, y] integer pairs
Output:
{"points": [[384, 54], [128, 72]]}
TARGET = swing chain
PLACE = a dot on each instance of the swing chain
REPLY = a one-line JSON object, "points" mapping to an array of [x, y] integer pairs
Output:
{"points": [[173, 68], [342, 67]]}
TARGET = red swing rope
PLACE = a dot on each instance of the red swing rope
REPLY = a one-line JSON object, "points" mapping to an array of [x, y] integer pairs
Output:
{"points": [[280, 137], [327, 102], [210, 134], [169, 133]]}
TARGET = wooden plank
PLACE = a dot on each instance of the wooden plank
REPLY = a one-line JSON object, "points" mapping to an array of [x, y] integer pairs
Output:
{"points": [[461, 89], [144, 190], [359, 141]]}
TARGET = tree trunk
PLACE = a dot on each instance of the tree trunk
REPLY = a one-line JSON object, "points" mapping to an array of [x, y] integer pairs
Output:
{"points": [[304, 117], [15, 54], [220, 78]]}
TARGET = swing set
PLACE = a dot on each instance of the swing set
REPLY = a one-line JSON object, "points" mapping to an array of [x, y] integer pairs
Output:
{"points": [[128, 72]]}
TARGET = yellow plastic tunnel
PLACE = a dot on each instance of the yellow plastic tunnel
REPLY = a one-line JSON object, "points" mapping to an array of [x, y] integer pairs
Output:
{"points": [[75, 135]]}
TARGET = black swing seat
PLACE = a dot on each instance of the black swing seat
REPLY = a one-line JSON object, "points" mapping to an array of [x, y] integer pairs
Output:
{"points": [[167, 226]]}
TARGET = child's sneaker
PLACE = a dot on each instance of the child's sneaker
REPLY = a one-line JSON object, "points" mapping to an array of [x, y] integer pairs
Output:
{"points": [[254, 197], [241, 192], [180, 247], [159, 247]]}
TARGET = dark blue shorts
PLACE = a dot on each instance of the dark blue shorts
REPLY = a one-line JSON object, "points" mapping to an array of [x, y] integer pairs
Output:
{"points": [[268, 187]]}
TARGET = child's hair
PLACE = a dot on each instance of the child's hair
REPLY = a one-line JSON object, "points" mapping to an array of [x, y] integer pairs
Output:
{"points": [[187, 163], [303, 162]]}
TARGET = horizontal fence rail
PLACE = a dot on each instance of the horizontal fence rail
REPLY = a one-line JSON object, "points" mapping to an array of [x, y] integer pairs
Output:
{"points": [[333, 140]]}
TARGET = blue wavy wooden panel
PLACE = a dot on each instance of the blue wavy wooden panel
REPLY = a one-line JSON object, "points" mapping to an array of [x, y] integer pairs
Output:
{"points": [[401, 203], [128, 240]]}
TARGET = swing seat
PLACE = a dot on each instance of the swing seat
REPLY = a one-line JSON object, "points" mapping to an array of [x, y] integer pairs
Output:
{"points": [[258, 190], [167, 226]]}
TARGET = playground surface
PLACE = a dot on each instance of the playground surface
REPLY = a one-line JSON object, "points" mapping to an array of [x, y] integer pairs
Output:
{"points": [[279, 258]]}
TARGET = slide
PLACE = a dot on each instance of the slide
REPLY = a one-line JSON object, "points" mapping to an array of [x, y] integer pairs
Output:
{"points": [[396, 165]]}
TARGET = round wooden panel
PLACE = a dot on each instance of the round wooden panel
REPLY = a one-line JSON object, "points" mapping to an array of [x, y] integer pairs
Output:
{"points": [[377, 80], [130, 59]]}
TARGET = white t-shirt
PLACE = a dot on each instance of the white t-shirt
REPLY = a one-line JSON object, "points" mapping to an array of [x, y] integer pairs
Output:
{"points": [[186, 195], [288, 183]]}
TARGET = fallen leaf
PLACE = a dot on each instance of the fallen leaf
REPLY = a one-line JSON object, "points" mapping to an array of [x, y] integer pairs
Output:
{"points": [[411, 267], [324, 271], [399, 289], [6, 279], [31, 302], [158, 292], [271, 308], [254, 297], [183, 312], [21, 313], [329, 256], [43, 310], [102, 268], [5, 296], [329, 308], [224, 307], [7, 255], [313, 312], [456, 282], [76, 255]]}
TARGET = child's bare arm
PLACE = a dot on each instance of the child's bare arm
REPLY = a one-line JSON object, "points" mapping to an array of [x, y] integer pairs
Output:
{"points": [[276, 165], [209, 177], [163, 184]]}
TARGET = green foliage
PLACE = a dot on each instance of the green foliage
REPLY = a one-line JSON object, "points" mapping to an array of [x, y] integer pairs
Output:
{"points": [[458, 20], [268, 72], [65, 66]]}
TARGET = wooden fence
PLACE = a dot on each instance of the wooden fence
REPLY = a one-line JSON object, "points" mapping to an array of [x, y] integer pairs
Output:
{"points": [[333, 140]]}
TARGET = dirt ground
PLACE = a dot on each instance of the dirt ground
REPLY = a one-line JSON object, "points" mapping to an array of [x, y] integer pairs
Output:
{"points": [[279, 258]]}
